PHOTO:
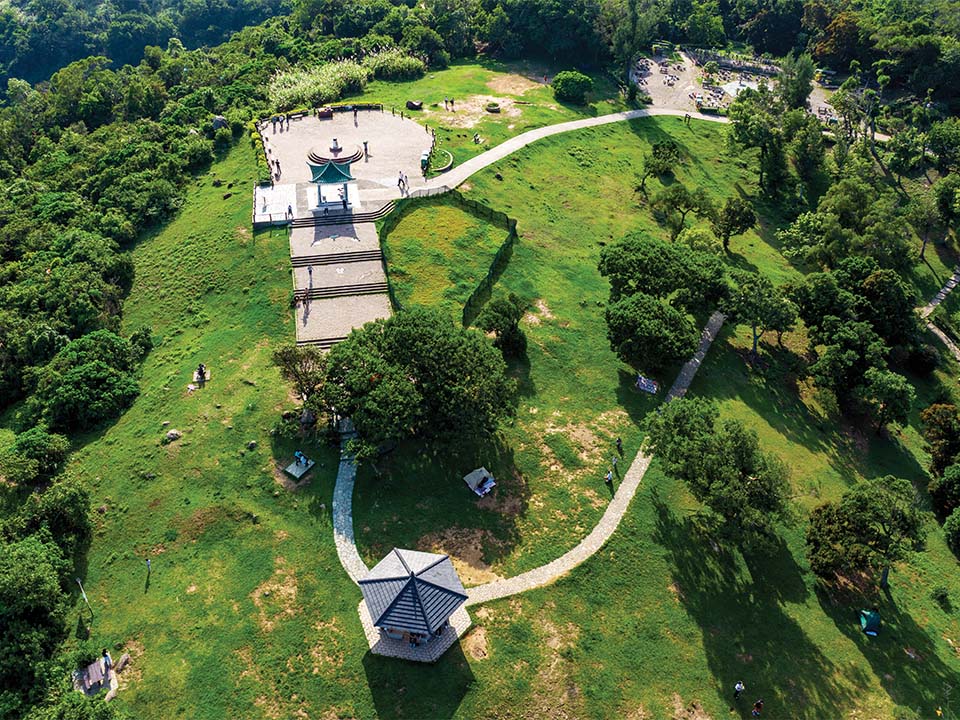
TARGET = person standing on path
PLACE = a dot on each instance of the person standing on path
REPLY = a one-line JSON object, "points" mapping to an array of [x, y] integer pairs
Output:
{"points": [[366, 152], [738, 689], [310, 274]]}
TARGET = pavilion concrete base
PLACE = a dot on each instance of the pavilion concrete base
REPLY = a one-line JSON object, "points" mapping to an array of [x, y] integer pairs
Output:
{"points": [[429, 652]]}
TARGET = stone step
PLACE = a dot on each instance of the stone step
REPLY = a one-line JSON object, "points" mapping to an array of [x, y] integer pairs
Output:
{"points": [[343, 218], [342, 291], [336, 258], [322, 343]]}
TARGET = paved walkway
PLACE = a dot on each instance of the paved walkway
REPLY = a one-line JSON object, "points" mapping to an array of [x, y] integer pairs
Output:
{"points": [[928, 309], [460, 173], [545, 574]]}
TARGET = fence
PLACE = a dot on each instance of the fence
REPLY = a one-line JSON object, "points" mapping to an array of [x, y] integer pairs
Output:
{"points": [[481, 294]]}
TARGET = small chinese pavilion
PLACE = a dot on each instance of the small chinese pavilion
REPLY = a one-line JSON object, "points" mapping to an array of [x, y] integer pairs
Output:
{"points": [[411, 595], [332, 180]]}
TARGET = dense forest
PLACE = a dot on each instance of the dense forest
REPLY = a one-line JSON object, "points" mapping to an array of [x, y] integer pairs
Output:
{"points": [[109, 113]]}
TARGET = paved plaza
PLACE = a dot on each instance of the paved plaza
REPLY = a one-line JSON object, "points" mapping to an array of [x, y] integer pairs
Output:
{"points": [[338, 274]]}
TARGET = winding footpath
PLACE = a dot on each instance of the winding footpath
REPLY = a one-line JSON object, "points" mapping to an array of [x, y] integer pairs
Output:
{"points": [[928, 309], [545, 574]]}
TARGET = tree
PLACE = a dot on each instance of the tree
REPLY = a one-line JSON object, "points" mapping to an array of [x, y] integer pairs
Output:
{"points": [[850, 349], [804, 138], [723, 466], [76, 706], [303, 366], [906, 153], [795, 81], [642, 264], [675, 202], [572, 86], [887, 303], [944, 140], [923, 214], [875, 524], [62, 512], [945, 490], [947, 193], [648, 333], [941, 430], [951, 532], [501, 316], [735, 217], [84, 396], [49, 450], [660, 160], [887, 396], [388, 379], [33, 613], [755, 118], [756, 303]]}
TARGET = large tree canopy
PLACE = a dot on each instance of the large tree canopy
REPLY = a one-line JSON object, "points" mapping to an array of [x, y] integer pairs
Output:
{"points": [[418, 375]]}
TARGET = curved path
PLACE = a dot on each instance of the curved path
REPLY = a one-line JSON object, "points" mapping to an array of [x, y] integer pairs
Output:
{"points": [[928, 309], [460, 173], [545, 574]]}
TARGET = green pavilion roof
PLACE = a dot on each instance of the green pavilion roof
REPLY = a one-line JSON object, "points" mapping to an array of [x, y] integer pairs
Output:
{"points": [[330, 173]]}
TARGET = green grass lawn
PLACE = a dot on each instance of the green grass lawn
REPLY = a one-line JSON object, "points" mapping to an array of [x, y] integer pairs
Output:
{"points": [[247, 612], [438, 255]]}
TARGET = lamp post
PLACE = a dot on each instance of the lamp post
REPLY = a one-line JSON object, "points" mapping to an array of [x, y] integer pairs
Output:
{"points": [[84, 594]]}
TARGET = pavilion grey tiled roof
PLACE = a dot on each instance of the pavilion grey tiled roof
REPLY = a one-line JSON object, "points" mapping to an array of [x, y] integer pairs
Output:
{"points": [[413, 591]]}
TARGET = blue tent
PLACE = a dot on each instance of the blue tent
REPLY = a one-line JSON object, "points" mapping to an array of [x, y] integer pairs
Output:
{"points": [[870, 622]]}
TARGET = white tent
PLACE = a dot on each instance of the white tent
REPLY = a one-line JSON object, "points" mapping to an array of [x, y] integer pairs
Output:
{"points": [[480, 481]]}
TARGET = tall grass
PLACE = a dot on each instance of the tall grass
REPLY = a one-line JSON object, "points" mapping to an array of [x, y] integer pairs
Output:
{"points": [[331, 81]]}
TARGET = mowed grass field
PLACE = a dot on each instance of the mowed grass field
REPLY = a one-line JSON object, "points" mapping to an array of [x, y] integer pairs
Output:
{"points": [[526, 101], [247, 612]]}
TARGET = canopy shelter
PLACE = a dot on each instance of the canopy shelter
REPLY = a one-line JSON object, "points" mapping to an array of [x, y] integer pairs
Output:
{"points": [[330, 173], [480, 481], [411, 595], [870, 622]]}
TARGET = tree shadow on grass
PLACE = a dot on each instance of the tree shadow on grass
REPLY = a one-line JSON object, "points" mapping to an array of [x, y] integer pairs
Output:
{"points": [[922, 682], [403, 689], [418, 491], [746, 633]]}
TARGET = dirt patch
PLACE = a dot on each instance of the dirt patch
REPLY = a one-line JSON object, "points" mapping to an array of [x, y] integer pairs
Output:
{"points": [[691, 711], [512, 84], [471, 111], [133, 672], [242, 232], [281, 535], [191, 590], [287, 482], [675, 591], [502, 503], [544, 309], [637, 713], [476, 643], [276, 598], [326, 651], [593, 497], [465, 548]]}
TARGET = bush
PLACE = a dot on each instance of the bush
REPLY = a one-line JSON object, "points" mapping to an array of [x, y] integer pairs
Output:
{"points": [[141, 343], [572, 86], [318, 86], [923, 360], [85, 396], [62, 513], [951, 531], [222, 137], [502, 317], [941, 596], [394, 64], [47, 449], [945, 490]]}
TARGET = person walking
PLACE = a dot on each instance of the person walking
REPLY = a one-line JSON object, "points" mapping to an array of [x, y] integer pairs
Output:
{"points": [[366, 153], [148, 566], [620, 446], [738, 689], [609, 477], [310, 274], [107, 663], [757, 708], [614, 460]]}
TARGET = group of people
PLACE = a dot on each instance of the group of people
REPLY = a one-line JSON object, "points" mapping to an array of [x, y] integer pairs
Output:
{"points": [[284, 119], [613, 463], [738, 691], [201, 373], [448, 104], [403, 183]]}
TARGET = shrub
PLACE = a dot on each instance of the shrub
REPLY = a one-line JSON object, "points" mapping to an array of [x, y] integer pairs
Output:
{"points": [[924, 359], [317, 86], [951, 531], [49, 450], [222, 137], [62, 513], [572, 86], [84, 396], [394, 64], [945, 490], [941, 596]]}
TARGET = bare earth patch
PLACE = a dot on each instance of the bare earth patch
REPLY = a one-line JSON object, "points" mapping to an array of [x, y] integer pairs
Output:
{"points": [[512, 84], [276, 598], [287, 482], [476, 643], [326, 651], [472, 110], [133, 672], [465, 548], [692, 711], [191, 590], [557, 696]]}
